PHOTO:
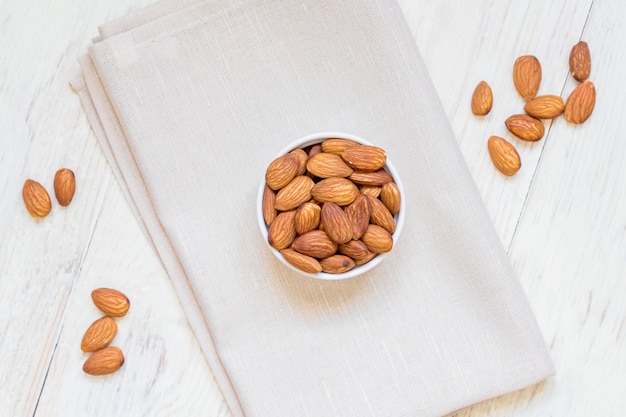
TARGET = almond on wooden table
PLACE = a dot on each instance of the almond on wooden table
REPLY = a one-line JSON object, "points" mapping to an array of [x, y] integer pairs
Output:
{"points": [[527, 76], [99, 334], [525, 127], [64, 186], [110, 301], [545, 107], [104, 362], [36, 199], [580, 61], [503, 155], [580, 103], [482, 99]]}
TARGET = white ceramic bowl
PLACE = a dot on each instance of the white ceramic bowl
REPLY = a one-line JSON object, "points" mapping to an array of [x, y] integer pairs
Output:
{"points": [[359, 269]]}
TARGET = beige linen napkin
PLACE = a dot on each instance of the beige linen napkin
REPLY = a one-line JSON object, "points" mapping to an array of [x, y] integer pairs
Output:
{"points": [[192, 99]]}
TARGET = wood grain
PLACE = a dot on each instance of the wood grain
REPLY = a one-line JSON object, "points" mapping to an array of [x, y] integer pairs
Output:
{"points": [[562, 217]]}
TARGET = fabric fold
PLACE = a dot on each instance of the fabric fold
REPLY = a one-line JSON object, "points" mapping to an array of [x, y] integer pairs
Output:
{"points": [[191, 100]]}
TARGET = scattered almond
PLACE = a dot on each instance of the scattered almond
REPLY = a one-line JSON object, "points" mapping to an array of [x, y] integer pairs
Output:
{"points": [[112, 302], [503, 155], [580, 61], [527, 76], [99, 334], [545, 107], [580, 103], [36, 199], [482, 99], [64, 186], [104, 361], [525, 127]]}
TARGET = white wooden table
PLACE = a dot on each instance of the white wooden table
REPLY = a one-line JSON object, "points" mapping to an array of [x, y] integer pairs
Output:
{"points": [[562, 218]]}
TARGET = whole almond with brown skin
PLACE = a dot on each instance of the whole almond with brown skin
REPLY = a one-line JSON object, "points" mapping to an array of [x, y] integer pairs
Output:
{"points": [[282, 231], [269, 205], [337, 145], [316, 244], [390, 196], [545, 107], [525, 127], [336, 223], [527, 76], [302, 262], [337, 264], [105, 361], [36, 199], [359, 215], [580, 103], [380, 215], [315, 149], [112, 302], [377, 239], [354, 249], [298, 191], [503, 155], [64, 186], [482, 99], [326, 165], [99, 334], [281, 171], [364, 157], [302, 159], [340, 191], [373, 190], [379, 178], [307, 217], [580, 61]]}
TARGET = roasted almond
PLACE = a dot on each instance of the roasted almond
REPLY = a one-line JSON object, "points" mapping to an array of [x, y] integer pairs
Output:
{"points": [[482, 99], [503, 155], [326, 165], [282, 231], [373, 190], [377, 239], [527, 76], [269, 205], [301, 261], [64, 186], [380, 177], [380, 215], [112, 302], [340, 191], [105, 361], [99, 334], [337, 264], [390, 196], [525, 127], [336, 223], [580, 103], [580, 61], [307, 217], [316, 244], [337, 145], [295, 193], [281, 171], [364, 157], [545, 107], [354, 249], [36, 199], [359, 215]]}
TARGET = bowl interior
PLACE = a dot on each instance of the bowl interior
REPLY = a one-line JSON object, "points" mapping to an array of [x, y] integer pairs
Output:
{"points": [[359, 269]]}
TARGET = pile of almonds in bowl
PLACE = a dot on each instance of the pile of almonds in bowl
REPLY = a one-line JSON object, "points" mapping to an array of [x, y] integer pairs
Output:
{"points": [[528, 126], [330, 206]]}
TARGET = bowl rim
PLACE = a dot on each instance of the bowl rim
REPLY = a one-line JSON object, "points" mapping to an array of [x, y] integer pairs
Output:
{"points": [[312, 139]]}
